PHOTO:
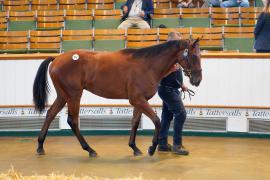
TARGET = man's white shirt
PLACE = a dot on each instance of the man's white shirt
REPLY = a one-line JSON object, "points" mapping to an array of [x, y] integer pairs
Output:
{"points": [[136, 8]]}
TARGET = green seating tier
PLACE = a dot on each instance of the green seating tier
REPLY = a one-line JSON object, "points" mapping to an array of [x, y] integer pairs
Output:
{"points": [[240, 44], [110, 19], [216, 38]]}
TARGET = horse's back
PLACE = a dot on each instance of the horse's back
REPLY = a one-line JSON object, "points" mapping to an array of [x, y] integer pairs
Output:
{"points": [[103, 73]]}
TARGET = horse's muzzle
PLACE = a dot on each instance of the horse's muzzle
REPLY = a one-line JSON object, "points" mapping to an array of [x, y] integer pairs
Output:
{"points": [[196, 78], [197, 83]]}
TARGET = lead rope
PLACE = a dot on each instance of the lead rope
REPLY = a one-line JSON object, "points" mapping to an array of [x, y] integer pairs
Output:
{"points": [[190, 93]]}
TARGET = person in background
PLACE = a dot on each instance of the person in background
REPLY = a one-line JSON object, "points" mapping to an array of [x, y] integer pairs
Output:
{"points": [[215, 3], [172, 107], [262, 30], [185, 4], [229, 3], [137, 13]]}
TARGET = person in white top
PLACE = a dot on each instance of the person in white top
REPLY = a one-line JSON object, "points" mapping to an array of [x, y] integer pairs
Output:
{"points": [[137, 13]]}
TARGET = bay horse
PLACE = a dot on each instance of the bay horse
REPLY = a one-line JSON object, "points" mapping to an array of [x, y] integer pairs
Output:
{"points": [[132, 74]]}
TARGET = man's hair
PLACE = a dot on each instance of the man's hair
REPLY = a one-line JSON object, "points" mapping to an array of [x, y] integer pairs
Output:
{"points": [[174, 36]]}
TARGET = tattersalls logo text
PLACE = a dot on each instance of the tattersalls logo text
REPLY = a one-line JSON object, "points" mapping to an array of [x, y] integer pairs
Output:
{"points": [[261, 114], [224, 112], [91, 111], [9, 111]]}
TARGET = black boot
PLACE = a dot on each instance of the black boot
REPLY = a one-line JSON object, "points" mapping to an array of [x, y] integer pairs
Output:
{"points": [[179, 150], [165, 148]]}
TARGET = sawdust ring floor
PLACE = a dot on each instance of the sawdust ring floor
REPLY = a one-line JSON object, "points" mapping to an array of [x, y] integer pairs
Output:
{"points": [[210, 158]]}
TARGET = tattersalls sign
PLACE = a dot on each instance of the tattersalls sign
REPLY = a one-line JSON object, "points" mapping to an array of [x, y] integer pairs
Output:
{"points": [[260, 114], [30, 111], [223, 112], [205, 112], [235, 116], [106, 111], [93, 111], [215, 112], [9, 112]]}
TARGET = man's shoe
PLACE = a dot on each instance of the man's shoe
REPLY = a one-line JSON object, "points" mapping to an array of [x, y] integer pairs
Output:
{"points": [[165, 148], [179, 150]]}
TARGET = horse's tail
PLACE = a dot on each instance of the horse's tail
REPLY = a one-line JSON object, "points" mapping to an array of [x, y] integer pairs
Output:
{"points": [[41, 86]]}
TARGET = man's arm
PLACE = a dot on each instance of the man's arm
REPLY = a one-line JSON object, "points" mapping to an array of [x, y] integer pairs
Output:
{"points": [[184, 87], [174, 68], [149, 9]]}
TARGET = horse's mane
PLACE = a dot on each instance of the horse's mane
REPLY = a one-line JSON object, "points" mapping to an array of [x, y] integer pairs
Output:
{"points": [[152, 51]]}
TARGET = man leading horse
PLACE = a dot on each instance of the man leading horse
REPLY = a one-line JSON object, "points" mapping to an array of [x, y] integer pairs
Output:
{"points": [[172, 107]]}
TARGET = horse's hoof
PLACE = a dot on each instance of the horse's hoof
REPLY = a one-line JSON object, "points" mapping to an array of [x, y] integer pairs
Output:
{"points": [[137, 153], [40, 152], [151, 150], [93, 154]]}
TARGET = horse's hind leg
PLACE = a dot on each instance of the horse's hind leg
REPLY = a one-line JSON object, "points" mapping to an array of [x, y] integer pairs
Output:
{"points": [[135, 123], [51, 113], [73, 116], [142, 105]]}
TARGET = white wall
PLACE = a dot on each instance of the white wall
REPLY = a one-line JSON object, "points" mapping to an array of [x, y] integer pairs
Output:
{"points": [[234, 82], [229, 82], [16, 79], [226, 82]]}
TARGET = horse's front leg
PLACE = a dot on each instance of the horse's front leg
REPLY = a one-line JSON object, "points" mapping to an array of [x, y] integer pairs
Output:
{"points": [[135, 123], [142, 105]]}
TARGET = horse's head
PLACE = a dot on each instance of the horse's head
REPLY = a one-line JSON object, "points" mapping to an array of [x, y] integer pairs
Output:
{"points": [[190, 60]]}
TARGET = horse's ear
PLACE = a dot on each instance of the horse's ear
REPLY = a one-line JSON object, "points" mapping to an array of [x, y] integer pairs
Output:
{"points": [[195, 42]]}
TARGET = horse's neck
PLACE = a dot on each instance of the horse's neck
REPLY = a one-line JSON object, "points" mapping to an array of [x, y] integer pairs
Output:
{"points": [[161, 65]]}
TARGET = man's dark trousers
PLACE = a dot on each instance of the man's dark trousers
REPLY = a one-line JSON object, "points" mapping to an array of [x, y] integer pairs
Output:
{"points": [[172, 107]]}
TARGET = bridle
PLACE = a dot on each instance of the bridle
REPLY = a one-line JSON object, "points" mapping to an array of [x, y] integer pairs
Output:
{"points": [[188, 71]]}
